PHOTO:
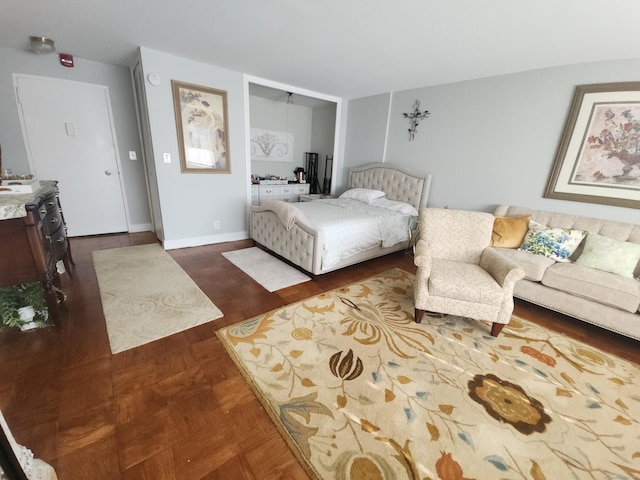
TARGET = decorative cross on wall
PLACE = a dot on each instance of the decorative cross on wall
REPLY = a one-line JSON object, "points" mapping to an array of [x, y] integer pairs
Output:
{"points": [[414, 117]]}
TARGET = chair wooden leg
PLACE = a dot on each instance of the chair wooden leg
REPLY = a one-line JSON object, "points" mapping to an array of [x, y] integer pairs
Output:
{"points": [[496, 328], [418, 315]]}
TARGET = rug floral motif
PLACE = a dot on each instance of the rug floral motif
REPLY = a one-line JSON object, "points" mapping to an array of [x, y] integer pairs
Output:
{"points": [[360, 391]]}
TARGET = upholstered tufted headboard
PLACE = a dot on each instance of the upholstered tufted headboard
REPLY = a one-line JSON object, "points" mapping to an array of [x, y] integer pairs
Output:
{"points": [[399, 183]]}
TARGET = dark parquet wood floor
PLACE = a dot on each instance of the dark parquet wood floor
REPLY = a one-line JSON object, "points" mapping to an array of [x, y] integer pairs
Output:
{"points": [[178, 408]]}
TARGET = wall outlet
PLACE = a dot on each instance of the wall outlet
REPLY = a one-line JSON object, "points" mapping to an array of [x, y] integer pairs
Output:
{"points": [[216, 225], [167, 157], [132, 155]]}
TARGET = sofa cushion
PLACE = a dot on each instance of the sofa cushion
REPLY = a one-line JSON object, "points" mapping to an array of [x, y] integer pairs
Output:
{"points": [[555, 243], [533, 265], [610, 255], [509, 232], [601, 287]]}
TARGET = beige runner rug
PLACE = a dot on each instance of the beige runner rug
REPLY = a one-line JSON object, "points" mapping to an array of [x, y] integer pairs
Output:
{"points": [[147, 296], [360, 391]]}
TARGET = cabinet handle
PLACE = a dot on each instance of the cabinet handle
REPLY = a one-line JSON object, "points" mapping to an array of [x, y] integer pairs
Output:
{"points": [[60, 239], [54, 220], [43, 211], [51, 204]]}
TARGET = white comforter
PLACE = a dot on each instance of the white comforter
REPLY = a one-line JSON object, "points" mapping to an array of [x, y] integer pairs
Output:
{"points": [[351, 227]]}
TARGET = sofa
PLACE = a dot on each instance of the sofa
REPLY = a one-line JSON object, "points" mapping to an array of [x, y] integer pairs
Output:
{"points": [[594, 278]]}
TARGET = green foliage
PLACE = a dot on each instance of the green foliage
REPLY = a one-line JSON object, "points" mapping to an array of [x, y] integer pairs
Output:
{"points": [[18, 296]]}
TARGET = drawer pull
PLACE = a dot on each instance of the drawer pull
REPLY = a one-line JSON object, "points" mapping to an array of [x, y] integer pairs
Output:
{"points": [[51, 204], [43, 211], [60, 239], [54, 220]]}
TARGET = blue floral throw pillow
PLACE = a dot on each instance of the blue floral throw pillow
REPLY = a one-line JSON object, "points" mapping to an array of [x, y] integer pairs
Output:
{"points": [[555, 243]]}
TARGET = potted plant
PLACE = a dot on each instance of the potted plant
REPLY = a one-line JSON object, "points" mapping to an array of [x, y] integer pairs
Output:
{"points": [[23, 306]]}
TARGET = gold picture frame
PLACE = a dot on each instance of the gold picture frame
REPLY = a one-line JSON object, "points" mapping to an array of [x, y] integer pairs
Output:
{"points": [[598, 159], [203, 128]]}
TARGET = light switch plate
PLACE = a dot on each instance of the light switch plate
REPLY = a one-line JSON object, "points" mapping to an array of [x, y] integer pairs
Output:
{"points": [[132, 155], [167, 158]]}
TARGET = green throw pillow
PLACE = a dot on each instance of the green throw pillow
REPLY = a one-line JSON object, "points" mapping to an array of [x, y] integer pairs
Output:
{"points": [[610, 255], [555, 243]]}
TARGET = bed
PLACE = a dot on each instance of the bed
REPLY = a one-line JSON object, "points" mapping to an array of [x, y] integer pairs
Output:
{"points": [[309, 241]]}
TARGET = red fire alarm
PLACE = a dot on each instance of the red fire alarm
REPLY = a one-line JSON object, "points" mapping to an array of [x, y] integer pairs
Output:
{"points": [[66, 60]]}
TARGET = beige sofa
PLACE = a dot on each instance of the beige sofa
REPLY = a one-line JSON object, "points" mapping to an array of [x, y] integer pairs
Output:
{"points": [[605, 299]]}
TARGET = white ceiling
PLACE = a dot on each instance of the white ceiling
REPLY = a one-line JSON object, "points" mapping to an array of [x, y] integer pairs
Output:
{"points": [[346, 48]]}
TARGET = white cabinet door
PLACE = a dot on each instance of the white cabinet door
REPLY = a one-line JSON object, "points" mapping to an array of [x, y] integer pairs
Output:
{"points": [[302, 189], [270, 192], [288, 194]]}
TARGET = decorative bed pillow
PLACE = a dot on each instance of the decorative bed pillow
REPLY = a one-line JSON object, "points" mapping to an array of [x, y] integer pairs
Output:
{"points": [[400, 207], [365, 195], [509, 232], [555, 243], [610, 255]]}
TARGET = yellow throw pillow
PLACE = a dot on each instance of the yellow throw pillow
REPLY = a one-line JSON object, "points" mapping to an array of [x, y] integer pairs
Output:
{"points": [[509, 232]]}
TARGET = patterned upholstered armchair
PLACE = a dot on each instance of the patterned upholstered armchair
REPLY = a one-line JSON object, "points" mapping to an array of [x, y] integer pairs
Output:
{"points": [[457, 273]]}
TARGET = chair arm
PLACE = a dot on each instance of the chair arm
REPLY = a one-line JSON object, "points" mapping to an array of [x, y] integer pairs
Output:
{"points": [[504, 271], [422, 256]]}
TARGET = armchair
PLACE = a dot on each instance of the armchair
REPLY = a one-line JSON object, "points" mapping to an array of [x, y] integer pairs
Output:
{"points": [[457, 273]]}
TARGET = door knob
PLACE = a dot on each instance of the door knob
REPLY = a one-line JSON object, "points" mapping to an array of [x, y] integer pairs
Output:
{"points": [[107, 172]]}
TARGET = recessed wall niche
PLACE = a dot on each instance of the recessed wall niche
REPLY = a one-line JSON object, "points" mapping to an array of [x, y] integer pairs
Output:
{"points": [[309, 122]]}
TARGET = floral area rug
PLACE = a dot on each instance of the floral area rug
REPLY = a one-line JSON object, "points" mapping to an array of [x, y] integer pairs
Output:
{"points": [[360, 391]]}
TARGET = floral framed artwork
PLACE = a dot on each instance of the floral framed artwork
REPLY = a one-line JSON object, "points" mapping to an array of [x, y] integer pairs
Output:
{"points": [[203, 128], [598, 160], [269, 145]]}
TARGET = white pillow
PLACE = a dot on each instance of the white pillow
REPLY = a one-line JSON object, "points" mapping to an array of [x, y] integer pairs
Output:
{"points": [[400, 207], [365, 195], [610, 255]]}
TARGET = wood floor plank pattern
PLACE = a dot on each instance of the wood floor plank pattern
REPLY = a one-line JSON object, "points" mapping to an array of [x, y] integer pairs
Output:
{"points": [[177, 408]]}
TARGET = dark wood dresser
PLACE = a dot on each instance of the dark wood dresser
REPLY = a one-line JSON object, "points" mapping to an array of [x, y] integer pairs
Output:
{"points": [[31, 246]]}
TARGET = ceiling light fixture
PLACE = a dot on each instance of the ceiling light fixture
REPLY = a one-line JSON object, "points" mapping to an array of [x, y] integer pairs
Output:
{"points": [[42, 44], [290, 98]]}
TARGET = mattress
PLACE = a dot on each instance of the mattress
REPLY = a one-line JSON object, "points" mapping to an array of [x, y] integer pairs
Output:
{"points": [[351, 227]]}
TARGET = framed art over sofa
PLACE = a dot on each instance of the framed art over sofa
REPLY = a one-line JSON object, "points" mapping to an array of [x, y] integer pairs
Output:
{"points": [[598, 160]]}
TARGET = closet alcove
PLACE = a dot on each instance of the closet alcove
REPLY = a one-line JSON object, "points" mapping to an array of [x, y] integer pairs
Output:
{"points": [[307, 121]]}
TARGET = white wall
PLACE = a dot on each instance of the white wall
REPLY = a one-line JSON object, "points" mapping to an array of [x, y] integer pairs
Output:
{"points": [[117, 79], [282, 117], [487, 141], [191, 202], [367, 130]]}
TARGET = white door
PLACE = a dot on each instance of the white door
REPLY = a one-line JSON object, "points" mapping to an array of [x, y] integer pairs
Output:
{"points": [[69, 137]]}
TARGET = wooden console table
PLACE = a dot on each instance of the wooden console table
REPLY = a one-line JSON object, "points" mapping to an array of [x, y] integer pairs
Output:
{"points": [[33, 239]]}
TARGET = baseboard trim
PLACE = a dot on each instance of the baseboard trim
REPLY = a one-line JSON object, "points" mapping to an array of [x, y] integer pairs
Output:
{"points": [[140, 227], [208, 240]]}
